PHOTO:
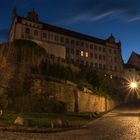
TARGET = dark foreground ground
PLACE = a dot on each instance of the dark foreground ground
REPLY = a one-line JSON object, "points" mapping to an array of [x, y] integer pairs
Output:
{"points": [[122, 123]]}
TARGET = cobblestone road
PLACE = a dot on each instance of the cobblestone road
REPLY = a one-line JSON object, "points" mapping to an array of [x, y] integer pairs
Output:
{"points": [[120, 124]]}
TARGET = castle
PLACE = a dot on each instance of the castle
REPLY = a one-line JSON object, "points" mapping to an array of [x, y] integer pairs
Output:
{"points": [[75, 48]]}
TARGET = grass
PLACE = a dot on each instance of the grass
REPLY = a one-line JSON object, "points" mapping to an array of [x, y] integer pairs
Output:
{"points": [[43, 120]]}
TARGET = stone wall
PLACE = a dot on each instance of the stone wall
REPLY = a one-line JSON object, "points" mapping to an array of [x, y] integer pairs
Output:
{"points": [[17, 74], [76, 100]]}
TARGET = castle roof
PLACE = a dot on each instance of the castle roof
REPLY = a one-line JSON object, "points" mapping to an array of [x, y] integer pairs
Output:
{"points": [[68, 32]]}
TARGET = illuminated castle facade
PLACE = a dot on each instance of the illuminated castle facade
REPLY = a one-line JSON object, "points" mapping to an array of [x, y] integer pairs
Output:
{"points": [[76, 48]]}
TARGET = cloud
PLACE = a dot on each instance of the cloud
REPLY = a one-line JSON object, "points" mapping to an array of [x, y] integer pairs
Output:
{"points": [[92, 10]]}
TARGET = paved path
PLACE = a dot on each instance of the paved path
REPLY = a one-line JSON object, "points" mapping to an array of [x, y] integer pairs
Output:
{"points": [[120, 124]]}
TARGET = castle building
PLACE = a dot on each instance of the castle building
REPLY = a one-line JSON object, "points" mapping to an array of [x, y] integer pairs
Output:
{"points": [[76, 48], [134, 60], [132, 67]]}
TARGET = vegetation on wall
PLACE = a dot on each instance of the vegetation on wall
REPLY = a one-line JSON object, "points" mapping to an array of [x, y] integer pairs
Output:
{"points": [[20, 99], [98, 82]]}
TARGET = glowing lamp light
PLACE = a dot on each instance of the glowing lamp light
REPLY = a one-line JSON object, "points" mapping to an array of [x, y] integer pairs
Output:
{"points": [[133, 85]]}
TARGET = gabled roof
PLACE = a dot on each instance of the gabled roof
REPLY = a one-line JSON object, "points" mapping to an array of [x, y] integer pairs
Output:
{"points": [[132, 55]]}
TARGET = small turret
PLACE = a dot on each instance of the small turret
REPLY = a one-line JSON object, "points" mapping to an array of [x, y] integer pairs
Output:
{"points": [[111, 38], [33, 16], [14, 12]]}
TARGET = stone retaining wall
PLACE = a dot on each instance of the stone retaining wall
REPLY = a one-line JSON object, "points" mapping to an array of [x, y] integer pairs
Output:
{"points": [[75, 99]]}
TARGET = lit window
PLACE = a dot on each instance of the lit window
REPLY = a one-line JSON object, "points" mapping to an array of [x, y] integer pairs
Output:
{"points": [[82, 53], [86, 54]]}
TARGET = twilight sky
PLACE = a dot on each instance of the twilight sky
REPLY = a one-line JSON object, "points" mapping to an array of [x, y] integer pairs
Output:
{"points": [[97, 18]]}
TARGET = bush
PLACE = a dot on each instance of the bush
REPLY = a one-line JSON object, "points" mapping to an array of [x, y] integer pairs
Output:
{"points": [[54, 106]]}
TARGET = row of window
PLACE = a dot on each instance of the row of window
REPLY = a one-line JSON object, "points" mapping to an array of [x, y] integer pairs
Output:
{"points": [[32, 25], [90, 55], [70, 41], [95, 65]]}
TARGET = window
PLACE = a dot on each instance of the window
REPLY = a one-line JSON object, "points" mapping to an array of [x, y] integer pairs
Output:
{"points": [[51, 36], [48, 35], [96, 56], [77, 61], [67, 40], [62, 39], [82, 53], [115, 60], [56, 38], [104, 57], [86, 54], [100, 57], [95, 47], [96, 65], [82, 62], [77, 43], [99, 49], [77, 52], [44, 35], [82, 43], [67, 50], [91, 46], [104, 49], [115, 68], [100, 66], [72, 42], [35, 32], [86, 63], [104, 67], [27, 30], [91, 64], [72, 51], [72, 61], [110, 51], [114, 51], [91, 55], [87, 45]]}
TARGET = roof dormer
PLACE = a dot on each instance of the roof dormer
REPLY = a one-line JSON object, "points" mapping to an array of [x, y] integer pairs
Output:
{"points": [[33, 16]]}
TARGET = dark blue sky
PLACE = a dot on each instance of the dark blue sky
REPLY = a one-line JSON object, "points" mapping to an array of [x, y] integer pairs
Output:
{"points": [[98, 18]]}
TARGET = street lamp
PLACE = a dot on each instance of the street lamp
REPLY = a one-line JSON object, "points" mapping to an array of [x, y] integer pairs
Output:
{"points": [[133, 85]]}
